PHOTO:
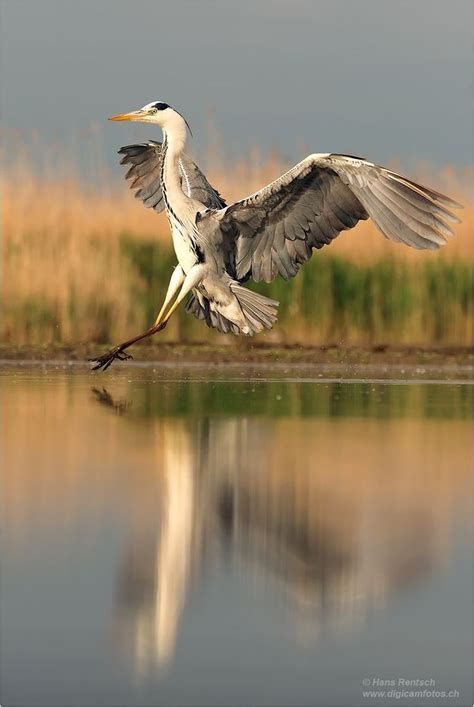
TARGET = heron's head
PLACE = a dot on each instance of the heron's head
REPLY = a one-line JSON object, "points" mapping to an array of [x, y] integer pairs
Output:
{"points": [[156, 112]]}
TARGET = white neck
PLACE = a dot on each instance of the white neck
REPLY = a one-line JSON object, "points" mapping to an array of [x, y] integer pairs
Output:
{"points": [[175, 134]]}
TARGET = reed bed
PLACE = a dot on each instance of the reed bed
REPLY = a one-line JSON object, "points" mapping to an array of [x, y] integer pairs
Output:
{"points": [[89, 263]]}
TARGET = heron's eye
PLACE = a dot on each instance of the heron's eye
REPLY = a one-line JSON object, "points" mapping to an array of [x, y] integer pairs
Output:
{"points": [[160, 106]]}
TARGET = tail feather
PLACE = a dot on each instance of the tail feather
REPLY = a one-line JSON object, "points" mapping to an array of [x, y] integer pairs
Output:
{"points": [[259, 312], [213, 319]]}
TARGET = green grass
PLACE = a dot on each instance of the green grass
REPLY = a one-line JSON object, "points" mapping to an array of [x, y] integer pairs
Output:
{"points": [[333, 299]]}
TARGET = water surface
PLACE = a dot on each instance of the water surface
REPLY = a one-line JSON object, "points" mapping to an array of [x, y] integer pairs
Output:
{"points": [[233, 537]]}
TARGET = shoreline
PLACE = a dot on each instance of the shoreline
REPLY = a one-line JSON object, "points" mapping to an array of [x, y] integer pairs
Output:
{"points": [[454, 357]]}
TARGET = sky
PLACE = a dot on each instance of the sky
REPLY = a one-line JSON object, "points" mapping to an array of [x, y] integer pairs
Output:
{"points": [[375, 78]]}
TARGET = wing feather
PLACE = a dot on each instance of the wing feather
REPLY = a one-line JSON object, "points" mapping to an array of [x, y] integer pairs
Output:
{"points": [[410, 232], [414, 198], [410, 217], [275, 230], [144, 175]]}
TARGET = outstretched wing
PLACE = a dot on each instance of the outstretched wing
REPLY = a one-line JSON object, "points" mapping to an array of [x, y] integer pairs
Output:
{"points": [[275, 230], [144, 172]]}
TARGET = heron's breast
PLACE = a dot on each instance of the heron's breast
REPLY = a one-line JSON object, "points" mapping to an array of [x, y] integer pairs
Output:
{"points": [[183, 247]]}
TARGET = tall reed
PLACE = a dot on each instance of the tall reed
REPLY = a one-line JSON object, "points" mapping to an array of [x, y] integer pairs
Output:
{"points": [[89, 263]]}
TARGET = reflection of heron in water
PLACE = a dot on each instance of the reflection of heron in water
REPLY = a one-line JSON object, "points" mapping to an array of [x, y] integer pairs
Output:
{"points": [[157, 592], [272, 232], [103, 397], [216, 492]]}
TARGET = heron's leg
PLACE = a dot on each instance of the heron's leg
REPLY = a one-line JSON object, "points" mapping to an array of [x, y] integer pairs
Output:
{"points": [[109, 357], [192, 278], [177, 279]]}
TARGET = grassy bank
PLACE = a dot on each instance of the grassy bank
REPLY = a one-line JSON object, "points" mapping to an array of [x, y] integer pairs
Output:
{"points": [[92, 265], [405, 361], [333, 299]]}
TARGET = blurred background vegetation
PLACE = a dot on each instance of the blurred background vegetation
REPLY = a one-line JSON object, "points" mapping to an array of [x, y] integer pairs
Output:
{"points": [[83, 261]]}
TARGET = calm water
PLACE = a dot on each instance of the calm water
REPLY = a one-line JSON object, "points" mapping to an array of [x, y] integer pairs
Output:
{"points": [[193, 538]]}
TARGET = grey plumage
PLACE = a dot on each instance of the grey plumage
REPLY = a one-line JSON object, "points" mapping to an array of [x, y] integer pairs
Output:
{"points": [[275, 230], [259, 311], [144, 175], [272, 232]]}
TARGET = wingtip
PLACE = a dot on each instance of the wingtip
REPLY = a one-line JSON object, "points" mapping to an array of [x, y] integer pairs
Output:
{"points": [[432, 194], [456, 205], [447, 201]]}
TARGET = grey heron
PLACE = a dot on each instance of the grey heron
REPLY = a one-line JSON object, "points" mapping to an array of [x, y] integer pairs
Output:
{"points": [[272, 232]]}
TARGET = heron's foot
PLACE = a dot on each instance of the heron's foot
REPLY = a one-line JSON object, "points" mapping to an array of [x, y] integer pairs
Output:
{"points": [[104, 361]]}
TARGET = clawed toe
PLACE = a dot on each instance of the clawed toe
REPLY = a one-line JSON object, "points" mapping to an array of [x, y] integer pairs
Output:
{"points": [[122, 356], [104, 361]]}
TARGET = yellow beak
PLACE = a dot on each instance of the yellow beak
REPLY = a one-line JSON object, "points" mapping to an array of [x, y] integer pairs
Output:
{"points": [[133, 115]]}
